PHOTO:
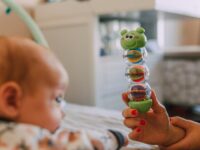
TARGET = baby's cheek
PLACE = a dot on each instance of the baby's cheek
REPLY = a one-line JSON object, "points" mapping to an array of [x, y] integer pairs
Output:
{"points": [[55, 118], [57, 113]]}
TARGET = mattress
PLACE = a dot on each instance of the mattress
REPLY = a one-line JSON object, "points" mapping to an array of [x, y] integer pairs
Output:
{"points": [[92, 118]]}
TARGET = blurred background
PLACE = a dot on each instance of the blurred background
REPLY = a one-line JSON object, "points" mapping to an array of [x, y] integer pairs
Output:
{"points": [[85, 35]]}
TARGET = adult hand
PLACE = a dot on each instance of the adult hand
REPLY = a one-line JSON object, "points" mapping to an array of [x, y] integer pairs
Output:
{"points": [[191, 139], [153, 127]]}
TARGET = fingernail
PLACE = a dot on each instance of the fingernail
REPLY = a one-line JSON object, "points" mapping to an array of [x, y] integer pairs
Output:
{"points": [[134, 112], [142, 122], [125, 96], [138, 130]]}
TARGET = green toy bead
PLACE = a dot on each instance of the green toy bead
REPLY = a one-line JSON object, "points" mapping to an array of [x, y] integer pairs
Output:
{"points": [[141, 106]]}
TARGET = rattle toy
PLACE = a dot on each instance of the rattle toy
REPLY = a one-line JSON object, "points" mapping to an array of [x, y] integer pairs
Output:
{"points": [[133, 42]]}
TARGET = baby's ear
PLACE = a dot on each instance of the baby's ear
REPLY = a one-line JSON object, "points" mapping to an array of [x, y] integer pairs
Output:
{"points": [[140, 30], [123, 32], [10, 99]]}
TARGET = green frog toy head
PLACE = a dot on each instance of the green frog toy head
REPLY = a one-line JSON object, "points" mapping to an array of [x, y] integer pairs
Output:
{"points": [[133, 39]]}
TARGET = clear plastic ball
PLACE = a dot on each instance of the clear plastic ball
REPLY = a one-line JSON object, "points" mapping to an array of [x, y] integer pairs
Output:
{"points": [[139, 92], [137, 73], [136, 56]]}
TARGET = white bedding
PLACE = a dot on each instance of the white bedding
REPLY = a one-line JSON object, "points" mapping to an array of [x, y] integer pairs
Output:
{"points": [[84, 117]]}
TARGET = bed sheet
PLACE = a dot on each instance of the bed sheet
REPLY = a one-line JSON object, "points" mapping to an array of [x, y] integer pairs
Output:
{"points": [[93, 118]]}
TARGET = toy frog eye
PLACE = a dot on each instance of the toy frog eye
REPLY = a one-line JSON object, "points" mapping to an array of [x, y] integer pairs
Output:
{"points": [[127, 36], [130, 36]]}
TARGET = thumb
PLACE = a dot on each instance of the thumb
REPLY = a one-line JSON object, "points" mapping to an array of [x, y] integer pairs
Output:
{"points": [[181, 122], [125, 98], [156, 106]]}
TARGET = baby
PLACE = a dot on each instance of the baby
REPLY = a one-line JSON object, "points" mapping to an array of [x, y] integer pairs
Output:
{"points": [[155, 127], [32, 84]]}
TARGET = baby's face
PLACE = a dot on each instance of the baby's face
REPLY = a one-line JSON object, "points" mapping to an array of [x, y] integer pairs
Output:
{"points": [[31, 85], [42, 107]]}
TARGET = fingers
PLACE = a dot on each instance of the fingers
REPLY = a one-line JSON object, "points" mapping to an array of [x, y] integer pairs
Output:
{"points": [[135, 134], [97, 144], [184, 144], [157, 106], [134, 123], [125, 98], [181, 122], [128, 112], [132, 118], [126, 142], [131, 123]]}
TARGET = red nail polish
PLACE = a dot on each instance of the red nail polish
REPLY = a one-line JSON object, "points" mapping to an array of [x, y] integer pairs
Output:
{"points": [[138, 130], [125, 96], [134, 112], [142, 122]]}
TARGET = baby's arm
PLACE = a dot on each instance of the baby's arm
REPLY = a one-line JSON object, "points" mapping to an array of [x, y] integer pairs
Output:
{"points": [[35, 138], [153, 127], [98, 140]]}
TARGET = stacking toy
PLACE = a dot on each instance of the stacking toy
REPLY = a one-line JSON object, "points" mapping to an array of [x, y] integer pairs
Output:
{"points": [[133, 42]]}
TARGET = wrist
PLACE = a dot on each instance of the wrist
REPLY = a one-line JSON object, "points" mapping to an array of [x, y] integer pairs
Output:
{"points": [[119, 138], [175, 135]]}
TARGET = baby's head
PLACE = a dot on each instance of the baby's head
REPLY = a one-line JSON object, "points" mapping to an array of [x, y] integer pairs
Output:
{"points": [[31, 81]]}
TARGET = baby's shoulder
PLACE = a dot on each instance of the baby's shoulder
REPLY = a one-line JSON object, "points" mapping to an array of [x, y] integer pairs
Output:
{"points": [[18, 135]]}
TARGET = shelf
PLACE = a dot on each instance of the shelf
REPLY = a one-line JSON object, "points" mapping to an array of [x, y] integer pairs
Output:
{"points": [[100, 7], [186, 52]]}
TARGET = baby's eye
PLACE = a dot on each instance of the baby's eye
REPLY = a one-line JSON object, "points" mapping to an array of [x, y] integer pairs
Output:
{"points": [[58, 99], [60, 102]]}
